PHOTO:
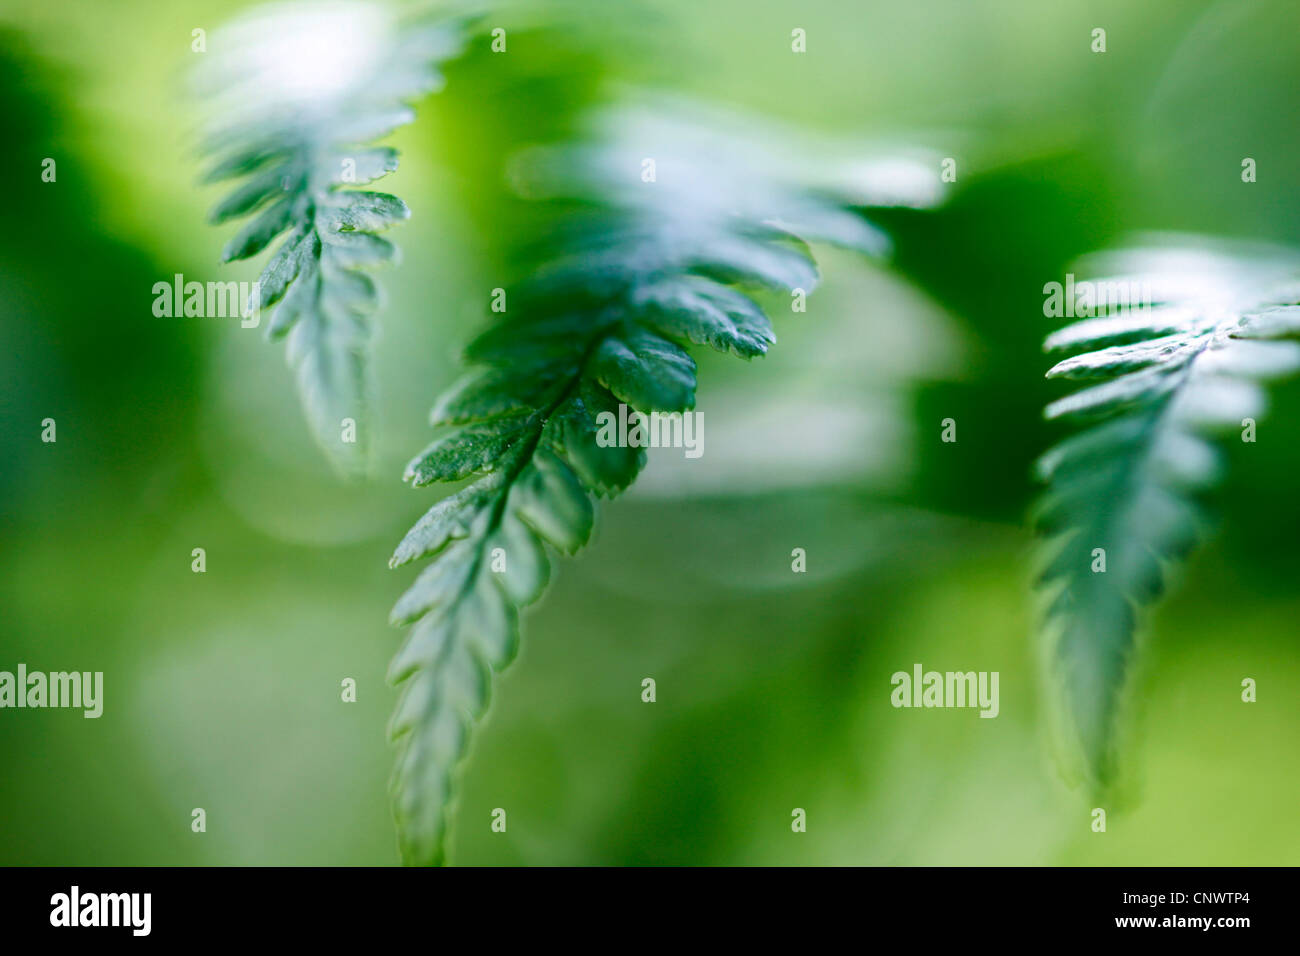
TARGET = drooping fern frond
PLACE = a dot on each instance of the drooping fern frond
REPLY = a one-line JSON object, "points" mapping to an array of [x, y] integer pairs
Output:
{"points": [[302, 92], [1165, 377], [624, 278]]}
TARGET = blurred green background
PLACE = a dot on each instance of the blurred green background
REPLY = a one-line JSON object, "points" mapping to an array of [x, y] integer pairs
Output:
{"points": [[222, 689]]}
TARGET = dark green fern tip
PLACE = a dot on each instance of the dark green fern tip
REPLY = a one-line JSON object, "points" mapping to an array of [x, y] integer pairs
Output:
{"points": [[626, 285], [298, 97], [1180, 360]]}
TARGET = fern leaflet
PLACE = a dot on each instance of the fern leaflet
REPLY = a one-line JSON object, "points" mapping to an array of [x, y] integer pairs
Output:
{"points": [[328, 80], [635, 273], [1120, 504]]}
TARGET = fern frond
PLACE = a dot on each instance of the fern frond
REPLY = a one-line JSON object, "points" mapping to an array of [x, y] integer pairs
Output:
{"points": [[1165, 379], [632, 274], [303, 92]]}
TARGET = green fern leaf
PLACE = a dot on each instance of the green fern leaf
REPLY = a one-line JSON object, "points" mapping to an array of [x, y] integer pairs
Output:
{"points": [[1121, 499], [300, 93], [639, 272]]}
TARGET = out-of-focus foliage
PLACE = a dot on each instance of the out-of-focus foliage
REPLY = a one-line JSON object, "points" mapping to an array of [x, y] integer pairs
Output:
{"points": [[222, 689]]}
